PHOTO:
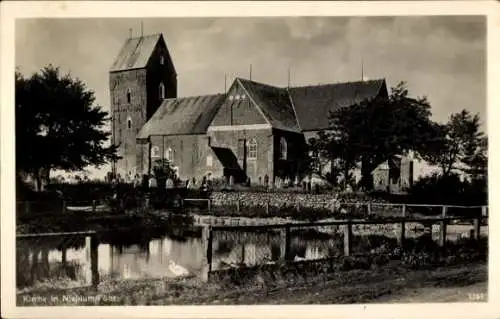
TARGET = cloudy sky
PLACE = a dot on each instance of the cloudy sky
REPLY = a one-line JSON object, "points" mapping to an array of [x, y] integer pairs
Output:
{"points": [[440, 57]]}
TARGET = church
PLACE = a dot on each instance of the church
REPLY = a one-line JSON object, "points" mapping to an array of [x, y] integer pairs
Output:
{"points": [[253, 131]]}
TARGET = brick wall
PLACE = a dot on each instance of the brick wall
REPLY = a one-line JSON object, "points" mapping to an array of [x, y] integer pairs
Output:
{"points": [[255, 168], [121, 83], [189, 153]]}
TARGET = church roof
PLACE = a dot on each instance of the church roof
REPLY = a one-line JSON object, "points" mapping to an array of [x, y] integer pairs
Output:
{"points": [[136, 52], [313, 103], [182, 116], [274, 103]]}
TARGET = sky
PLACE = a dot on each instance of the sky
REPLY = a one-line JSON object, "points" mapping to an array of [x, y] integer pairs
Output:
{"points": [[440, 57]]}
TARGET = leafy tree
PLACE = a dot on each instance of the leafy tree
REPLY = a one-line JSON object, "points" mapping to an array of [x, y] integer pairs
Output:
{"points": [[374, 130], [57, 125], [461, 146]]}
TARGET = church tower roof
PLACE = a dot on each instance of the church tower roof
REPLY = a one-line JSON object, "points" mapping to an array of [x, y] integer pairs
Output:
{"points": [[136, 52]]}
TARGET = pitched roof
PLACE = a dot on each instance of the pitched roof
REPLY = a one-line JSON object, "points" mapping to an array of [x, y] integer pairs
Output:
{"points": [[274, 103], [188, 115], [136, 52], [313, 103]]}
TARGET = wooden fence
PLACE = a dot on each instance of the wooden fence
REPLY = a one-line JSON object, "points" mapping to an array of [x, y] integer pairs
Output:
{"points": [[285, 231]]}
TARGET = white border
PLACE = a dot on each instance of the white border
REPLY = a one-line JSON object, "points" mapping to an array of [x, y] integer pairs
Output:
{"points": [[12, 10]]}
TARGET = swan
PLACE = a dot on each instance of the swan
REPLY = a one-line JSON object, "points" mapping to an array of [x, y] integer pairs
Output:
{"points": [[298, 258], [176, 269]]}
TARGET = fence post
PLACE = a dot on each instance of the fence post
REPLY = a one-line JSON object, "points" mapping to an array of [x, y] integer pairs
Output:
{"points": [[94, 244], [63, 206], [369, 208], [347, 238], [93, 206], [477, 226], [333, 206], [238, 205], [207, 239], [267, 207], [401, 237], [442, 228], [285, 240], [484, 211]]}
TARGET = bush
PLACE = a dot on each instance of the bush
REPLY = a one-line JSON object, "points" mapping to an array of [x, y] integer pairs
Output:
{"points": [[450, 190]]}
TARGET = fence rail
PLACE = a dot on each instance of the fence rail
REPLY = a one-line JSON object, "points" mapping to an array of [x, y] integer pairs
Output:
{"points": [[368, 208]]}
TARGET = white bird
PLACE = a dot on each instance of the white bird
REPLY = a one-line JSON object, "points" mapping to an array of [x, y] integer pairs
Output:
{"points": [[298, 258], [176, 269]]}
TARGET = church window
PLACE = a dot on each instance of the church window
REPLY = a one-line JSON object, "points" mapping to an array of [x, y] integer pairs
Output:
{"points": [[283, 148], [161, 91], [237, 96], [242, 96], [129, 96], [162, 60], [129, 122], [231, 98], [252, 149], [169, 154], [155, 151], [209, 160]]}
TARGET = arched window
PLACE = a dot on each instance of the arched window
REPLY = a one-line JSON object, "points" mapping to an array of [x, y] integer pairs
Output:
{"points": [[162, 60], [161, 91], [283, 148], [169, 154], [129, 122], [252, 149], [155, 151], [129, 95]]}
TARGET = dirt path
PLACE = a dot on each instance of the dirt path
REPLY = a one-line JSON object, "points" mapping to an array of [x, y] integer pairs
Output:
{"points": [[451, 284]]}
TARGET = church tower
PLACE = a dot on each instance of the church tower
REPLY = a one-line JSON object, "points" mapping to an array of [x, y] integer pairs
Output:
{"points": [[141, 77]]}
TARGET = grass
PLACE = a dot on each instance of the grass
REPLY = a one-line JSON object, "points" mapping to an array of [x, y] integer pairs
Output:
{"points": [[391, 283]]}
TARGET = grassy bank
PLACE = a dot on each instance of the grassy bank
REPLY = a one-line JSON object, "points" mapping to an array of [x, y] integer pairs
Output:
{"points": [[392, 283], [102, 221]]}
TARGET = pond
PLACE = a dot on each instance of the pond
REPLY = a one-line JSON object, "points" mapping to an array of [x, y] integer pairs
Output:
{"points": [[165, 254]]}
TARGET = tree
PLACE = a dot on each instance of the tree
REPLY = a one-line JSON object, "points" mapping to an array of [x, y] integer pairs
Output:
{"points": [[374, 130], [163, 171], [461, 146], [57, 125]]}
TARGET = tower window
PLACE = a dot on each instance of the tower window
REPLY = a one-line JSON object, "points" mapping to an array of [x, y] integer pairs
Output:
{"points": [[129, 122], [283, 148], [162, 60], [252, 149], [129, 96], [161, 91]]}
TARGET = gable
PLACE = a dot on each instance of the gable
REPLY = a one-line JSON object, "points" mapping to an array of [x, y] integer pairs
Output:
{"points": [[238, 109]]}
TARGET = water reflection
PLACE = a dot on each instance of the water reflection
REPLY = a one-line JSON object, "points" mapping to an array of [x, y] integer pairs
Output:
{"points": [[165, 256]]}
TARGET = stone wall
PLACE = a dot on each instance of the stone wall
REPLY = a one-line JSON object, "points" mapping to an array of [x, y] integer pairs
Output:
{"points": [[277, 199]]}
